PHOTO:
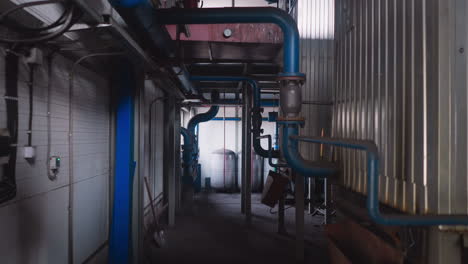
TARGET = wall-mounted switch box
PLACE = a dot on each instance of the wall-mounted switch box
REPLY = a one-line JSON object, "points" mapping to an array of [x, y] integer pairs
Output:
{"points": [[29, 152], [54, 165]]}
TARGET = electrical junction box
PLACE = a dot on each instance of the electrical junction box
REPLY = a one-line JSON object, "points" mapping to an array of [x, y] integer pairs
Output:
{"points": [[54, 165], [29, 152]]}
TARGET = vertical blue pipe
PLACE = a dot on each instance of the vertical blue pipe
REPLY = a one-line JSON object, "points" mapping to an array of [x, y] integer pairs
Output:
{"points": [[120, 233]]}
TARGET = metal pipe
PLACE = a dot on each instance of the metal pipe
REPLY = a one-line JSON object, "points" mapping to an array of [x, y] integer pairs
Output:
{"points": [[248, 158], [239, 15], [290, 150], [256, 111], [244, 152], [204, 117], [373, 206], [190, 148]]}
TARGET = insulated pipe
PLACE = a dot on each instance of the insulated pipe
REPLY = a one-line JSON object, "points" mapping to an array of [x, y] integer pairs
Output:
{"points": [[256, 110], [373, 187]]}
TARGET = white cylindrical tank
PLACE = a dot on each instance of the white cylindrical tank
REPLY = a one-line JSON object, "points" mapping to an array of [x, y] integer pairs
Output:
{"points": [[257, 173], [223, 163]]}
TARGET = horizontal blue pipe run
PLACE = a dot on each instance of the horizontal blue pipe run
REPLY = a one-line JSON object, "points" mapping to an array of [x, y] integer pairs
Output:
{"points": [[242, 15], [126, 3], [263, 103], [231, 119], [250, 81], [373, 188]]}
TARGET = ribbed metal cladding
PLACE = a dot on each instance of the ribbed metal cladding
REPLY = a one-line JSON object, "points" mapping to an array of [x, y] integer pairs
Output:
{"points": [[316, 20], [401, 81]]}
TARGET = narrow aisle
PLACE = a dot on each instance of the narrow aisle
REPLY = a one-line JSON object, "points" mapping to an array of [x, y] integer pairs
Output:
{"points": [[215, 232]]}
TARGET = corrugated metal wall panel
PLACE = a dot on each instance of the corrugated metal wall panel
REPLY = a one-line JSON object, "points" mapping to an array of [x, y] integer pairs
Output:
{"points": [[401, 81], [45, 202], [315, 19]]}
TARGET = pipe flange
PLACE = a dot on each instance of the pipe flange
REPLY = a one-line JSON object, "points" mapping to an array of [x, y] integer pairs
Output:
{"points": [[299, 121], [291, 77], [292, 119]]}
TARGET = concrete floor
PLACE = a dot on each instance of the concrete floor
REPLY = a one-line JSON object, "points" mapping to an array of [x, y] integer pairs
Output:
{"points": [[215, 232]]}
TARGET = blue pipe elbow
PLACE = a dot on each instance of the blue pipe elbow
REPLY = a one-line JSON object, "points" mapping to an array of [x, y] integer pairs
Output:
{"points": [[373, 204], [290, 149], [242, 15], [256, 107], [204, 117], [125, 3], [190, 148]]}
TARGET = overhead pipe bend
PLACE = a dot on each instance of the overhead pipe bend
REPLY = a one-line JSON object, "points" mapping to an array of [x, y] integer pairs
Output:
{"points": [[256, 111], [203, 117], [373, 205], [290, 150], [172, 16], [190, 148]]}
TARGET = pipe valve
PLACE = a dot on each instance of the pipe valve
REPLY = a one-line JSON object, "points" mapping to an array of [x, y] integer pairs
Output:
{"points": [[291, 98]]}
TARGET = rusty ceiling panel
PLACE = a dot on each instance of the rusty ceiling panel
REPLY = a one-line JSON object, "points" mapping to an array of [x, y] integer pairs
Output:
{"points": [[202, 51], [242, 33]]}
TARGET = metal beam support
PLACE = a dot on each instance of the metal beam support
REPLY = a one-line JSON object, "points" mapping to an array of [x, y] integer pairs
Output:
{"points": [[120, 236], [299, 188], [281, 227], [138, 53], [172, 169], [244, 151], [248, 156]]}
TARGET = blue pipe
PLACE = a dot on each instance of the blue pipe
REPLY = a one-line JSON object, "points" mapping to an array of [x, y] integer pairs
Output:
{"points": [[204, 117], [232, 119], [290, 150], [373, 188], [190, 149], [242, 15], [256, 111], [120, 230], [263, 103]]}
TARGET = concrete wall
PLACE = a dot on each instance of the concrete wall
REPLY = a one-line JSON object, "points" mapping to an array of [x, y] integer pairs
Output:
{"points": [[35, 225]]}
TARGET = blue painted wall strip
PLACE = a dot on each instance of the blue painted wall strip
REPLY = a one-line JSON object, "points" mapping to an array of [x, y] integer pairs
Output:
{"points": [[120, 234]]}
